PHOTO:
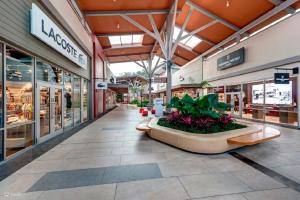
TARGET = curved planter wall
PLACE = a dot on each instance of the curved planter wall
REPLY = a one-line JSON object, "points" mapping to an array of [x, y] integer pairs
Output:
{"points": [[199, 143]]}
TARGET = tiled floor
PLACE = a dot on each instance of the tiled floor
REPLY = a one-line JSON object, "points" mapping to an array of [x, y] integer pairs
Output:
{"points": [[110, 160]]}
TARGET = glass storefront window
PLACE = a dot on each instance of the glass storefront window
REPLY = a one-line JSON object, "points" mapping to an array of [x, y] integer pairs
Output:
{"points": [[1, 145], [219, 91], [1, 87], [19, 93], [48, 73], [233, 88], [68, 95], [1, 105], [76, 100], [85, 100], [19, 138], [281, 102], [19, 100], [253, 100]]}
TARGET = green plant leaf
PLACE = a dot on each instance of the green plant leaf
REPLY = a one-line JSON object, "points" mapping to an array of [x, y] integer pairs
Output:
{"points": [[212, 100], [221, 106], [187, 99]]}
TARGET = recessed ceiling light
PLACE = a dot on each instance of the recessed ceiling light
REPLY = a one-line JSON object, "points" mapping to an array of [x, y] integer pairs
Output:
{"points": [[227, 3]]}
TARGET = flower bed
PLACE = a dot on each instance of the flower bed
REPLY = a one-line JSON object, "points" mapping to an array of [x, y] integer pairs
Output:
{"points": [[217, 127], [203, 115]]}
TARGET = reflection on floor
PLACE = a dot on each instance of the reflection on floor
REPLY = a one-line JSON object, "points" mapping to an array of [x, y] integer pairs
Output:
{"points": [[110, 160]]}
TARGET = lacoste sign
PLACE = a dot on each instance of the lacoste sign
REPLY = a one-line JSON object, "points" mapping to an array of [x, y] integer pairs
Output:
{"points": [[47, 31]]}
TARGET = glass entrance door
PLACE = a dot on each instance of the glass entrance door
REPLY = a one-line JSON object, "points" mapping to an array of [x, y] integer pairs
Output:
{"points": [[49, 110], [44, 110], [235, 100], [58, 109]]}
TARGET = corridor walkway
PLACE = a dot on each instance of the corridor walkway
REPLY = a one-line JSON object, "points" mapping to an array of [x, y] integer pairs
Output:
{"points": [[110, 160]]}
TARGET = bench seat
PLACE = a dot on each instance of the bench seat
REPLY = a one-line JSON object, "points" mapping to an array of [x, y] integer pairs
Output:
{"points": [[255, 138], [143, 126]]}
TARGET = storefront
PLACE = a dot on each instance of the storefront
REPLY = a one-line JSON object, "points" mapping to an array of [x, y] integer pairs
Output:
{"points": [[262, 100], [46, 79], [244, 75]]}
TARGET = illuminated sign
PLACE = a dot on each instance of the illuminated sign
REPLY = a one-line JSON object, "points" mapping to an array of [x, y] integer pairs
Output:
{"points": [[47, 31]]}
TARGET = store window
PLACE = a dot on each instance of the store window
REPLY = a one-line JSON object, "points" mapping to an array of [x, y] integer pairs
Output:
{"points": [[1, 145], [270, 102], [76, 100], [281, 102], [1, 105], [233, 88], [219, 90], [253, 100], [19, 100], [85, 100], [1, 88], [48, 73], [68, 95]]}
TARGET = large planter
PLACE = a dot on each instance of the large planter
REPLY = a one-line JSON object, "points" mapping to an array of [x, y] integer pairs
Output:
{"points": [[199, 143]]}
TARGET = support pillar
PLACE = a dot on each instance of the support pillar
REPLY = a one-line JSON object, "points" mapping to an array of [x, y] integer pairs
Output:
{"points": [[169, 81]]}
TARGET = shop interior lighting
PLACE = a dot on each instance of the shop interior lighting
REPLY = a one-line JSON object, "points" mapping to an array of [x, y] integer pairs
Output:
{"points": [[190, 42], [126, 40]]}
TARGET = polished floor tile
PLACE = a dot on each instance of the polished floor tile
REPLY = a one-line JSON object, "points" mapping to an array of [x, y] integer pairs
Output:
{"points": [[212, 184], [166, 189], [276, 194]]}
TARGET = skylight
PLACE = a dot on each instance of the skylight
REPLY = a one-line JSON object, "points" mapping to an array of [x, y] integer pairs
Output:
{"points": [[126, 40], [190, 42]]}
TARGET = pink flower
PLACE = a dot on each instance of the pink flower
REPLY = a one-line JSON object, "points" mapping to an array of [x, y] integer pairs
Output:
{"points": [[187, 120], [173, 116], [225, 119]]}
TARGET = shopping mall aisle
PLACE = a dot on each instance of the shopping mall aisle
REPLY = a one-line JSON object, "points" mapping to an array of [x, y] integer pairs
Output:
{"points": [[110, 160]]}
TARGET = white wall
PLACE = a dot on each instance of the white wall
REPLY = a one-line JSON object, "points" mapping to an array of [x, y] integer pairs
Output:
{"points": [[67, 16], [279, 42], [191, 72]]}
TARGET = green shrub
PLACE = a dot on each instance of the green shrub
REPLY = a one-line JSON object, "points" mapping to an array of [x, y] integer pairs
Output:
{"points": [[202, 115], [144, 103], [135, 101]]}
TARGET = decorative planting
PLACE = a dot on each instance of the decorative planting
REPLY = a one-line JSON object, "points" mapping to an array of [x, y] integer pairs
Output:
{"points": [[204, 115]]}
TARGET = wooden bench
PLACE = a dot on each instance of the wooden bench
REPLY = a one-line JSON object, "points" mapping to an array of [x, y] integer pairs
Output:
{"points": [[143, 126], [255, 138]]}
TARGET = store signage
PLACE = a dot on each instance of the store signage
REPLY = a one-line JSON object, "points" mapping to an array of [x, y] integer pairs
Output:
{"points": [[233, 59], [46, 30], [160, 79], [100, 85], [158, 104], [282, 78], [296, 70]]}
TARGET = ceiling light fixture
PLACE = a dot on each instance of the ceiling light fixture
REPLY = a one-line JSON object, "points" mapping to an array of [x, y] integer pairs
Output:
{"points": [[118, 26], [227, 3]]}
